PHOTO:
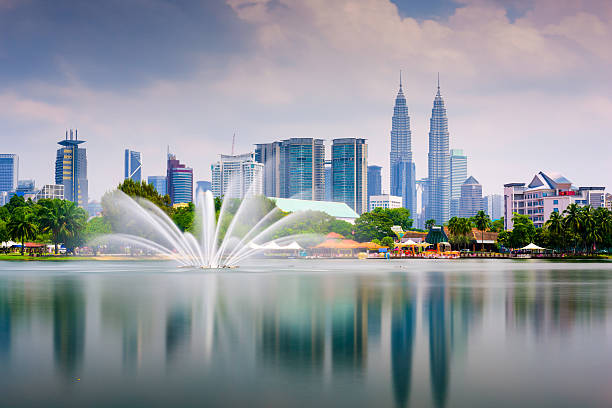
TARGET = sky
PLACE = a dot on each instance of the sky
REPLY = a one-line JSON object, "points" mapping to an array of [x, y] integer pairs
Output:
{"points": [[526, 82]]}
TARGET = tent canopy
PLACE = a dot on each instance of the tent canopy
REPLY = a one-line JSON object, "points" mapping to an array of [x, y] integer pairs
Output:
{"points": [[533, 246]]}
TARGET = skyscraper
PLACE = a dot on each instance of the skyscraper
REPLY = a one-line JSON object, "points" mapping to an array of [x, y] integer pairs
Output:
{"points": [[159, 183], [493, 205], [132, 165], [9, 172], [179, 180], [71, 169], [458, 169], [438, 203], [237, 176], [402, 169], [374, 181], [471, 198], [328, 181], [349, 173], [293, 168]]}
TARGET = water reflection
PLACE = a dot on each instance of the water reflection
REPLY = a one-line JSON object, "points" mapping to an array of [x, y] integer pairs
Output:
{"points": [[364, 331]]}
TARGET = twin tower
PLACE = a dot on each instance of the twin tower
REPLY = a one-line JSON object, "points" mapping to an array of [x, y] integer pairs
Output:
{"points": [[437, 191]]}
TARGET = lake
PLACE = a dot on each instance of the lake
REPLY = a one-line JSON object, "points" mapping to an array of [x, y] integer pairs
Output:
{"points": [[341, 333]]}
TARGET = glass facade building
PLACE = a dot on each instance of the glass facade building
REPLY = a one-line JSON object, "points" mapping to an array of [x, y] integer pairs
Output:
{"points": [[439, 174], [401, 165], [132, 165], [9, 172], [71, 169], [350, 173], [374, 181], [458, 168], [160, 183], [293, 168], [471, 198], [179, 179], [237, 176]]}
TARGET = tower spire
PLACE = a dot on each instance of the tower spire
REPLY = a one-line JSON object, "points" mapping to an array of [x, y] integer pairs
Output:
{"points": [[400, 78], [438, 81]]}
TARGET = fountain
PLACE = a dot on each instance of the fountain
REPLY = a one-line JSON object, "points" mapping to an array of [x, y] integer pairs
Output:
{"points": [[214, 244]]}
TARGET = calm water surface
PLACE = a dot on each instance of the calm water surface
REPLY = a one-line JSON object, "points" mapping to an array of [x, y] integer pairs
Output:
{"points": [[307, 333]]}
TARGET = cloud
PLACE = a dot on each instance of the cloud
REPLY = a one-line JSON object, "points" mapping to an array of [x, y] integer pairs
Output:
{"points": [[521, 86]]}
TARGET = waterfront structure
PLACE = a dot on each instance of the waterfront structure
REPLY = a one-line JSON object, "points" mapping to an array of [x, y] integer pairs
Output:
{"points": [[384, 201], [401, 165], [328, 181], [50, 191], [179, 181], [293, 168], [159, 183], [493, 206], [544, 194], [9, 171], [237, 176], [458, 169], [71, 169], [374, 181], [340, 211], [438, 203], [471, 198], [132, 165], [350, 173]]}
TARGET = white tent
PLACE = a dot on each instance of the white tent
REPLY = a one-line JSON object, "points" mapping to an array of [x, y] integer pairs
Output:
{"points": [[272, 245], [533, 247], [8, 244], [410, 242], [253, 245], [293, 245]]}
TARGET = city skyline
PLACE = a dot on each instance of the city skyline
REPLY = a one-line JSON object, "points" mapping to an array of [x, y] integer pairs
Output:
{"points": [[529, 77]]}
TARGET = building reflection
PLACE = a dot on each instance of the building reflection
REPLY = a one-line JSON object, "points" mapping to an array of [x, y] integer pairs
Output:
{"points": [[403, 322], [439, 358], [178, 329], [5, 321], [68, 325]]}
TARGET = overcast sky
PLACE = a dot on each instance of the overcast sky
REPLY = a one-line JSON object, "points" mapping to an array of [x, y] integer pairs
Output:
{"points": [[526, 82]]}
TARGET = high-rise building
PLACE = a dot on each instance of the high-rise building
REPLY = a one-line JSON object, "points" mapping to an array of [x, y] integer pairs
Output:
{"points": [[50, 191], [458, 168], [401, 166], [293, 168], [71, 169], [350, 173], [384, 201], [546, 193], [237, 176], [203, 186], [328, 181], [374, 181], [9, 171], [438, 203], [493, 205], [132, 165], [421, 190], [159, 183], [471, 198], [26, 186], [179, 179]]}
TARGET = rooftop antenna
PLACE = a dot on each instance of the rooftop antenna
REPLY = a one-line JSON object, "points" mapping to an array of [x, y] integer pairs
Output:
{"points": [[76, 134], [233, 142], [66, 134]]}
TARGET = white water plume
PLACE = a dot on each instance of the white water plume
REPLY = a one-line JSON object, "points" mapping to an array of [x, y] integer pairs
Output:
{"points": [[221, 243]]}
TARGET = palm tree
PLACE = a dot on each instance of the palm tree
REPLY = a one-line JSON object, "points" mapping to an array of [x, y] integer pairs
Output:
{"points": [[602, 218], [589, 232], [554, 226], [573, 221], [22, 225], [61, 218], [482, 222]]}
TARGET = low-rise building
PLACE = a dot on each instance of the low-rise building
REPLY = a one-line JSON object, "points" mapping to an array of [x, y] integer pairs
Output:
{"points": [[50, 191], [608, 201], [545, 194], [384, 201]]}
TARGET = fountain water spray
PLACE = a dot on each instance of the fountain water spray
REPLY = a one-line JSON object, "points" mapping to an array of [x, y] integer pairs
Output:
{"points": [[219, 243]]}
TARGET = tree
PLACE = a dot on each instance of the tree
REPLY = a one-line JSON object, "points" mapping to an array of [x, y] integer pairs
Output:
{"points": [[572, 222], [554, 227], [602, 218], [430, 223], [375, 224], [398, 216], [523, 231], [482, 222], [146, 190], [60, 218], [497, 225], [22, 225], [388, 242], [183, 217], [4, 235], [14, 203], [459, 229]]}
